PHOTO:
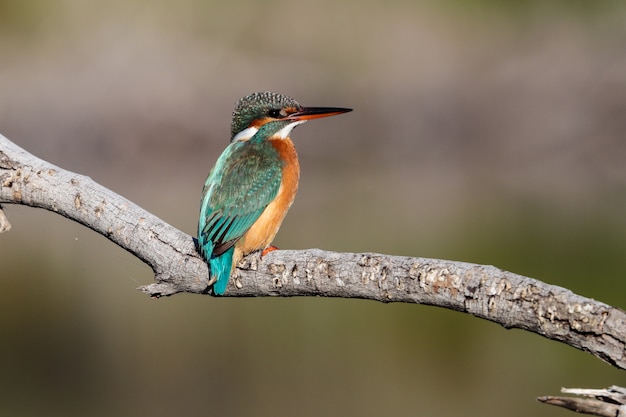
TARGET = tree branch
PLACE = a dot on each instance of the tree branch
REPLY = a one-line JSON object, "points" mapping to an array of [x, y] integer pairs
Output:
{"points": [[610, 402], [512, 300], [5, 226]]}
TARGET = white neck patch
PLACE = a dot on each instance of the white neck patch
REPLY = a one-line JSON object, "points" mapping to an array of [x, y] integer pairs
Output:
{"points": [[245, 134]]}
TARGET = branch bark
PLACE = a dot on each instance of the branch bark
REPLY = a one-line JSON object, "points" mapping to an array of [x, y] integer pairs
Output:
{"points": [[512, 300]]}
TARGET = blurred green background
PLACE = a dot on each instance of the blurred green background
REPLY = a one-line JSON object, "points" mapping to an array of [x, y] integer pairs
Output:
{"points": [[484, 131]]}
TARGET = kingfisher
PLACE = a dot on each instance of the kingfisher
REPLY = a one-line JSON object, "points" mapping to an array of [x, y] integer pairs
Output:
{"points": [[253, 183]]}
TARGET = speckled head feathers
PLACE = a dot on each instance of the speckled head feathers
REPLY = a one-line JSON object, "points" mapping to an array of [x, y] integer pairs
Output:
{"points": [[256, 106]]}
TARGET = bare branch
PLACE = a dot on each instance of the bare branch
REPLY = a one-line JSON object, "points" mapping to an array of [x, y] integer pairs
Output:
{"points": [[512, 300], [610, 402]]}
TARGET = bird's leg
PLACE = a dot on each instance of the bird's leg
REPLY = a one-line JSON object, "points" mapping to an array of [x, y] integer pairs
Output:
{"points": [[211, 281], [268, 250]]}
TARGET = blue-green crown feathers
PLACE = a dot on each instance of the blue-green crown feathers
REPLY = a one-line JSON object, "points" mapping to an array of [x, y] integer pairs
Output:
{"points": [[258, 105]]}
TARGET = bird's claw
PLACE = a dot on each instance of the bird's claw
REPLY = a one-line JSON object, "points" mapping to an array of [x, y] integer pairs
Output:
{"points": [[267, 250]]}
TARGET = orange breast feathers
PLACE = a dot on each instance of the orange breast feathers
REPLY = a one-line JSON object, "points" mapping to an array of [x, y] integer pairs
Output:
{"points": [[262, 232]]}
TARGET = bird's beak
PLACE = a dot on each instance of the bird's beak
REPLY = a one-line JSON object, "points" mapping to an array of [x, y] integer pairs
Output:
{"points": [[308, 113]]}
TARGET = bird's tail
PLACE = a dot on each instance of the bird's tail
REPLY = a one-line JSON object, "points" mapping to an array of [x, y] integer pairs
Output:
{"points": [[221, 267]]}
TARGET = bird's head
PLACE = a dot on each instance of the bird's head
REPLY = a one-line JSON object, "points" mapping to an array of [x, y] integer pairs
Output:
{"points": [[269, 115]]}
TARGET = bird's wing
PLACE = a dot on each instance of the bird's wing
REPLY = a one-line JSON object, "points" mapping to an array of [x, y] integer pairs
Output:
{"points": [[240, 186]]}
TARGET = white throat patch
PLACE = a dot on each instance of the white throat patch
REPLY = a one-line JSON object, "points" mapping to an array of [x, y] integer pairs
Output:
{"points": [[285, 131]]}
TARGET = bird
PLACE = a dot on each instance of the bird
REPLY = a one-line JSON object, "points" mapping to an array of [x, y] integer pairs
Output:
{"points": [[253, 183]]}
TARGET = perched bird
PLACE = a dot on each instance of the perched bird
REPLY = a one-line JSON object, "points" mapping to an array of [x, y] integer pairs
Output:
{"points": [[253, 183]]}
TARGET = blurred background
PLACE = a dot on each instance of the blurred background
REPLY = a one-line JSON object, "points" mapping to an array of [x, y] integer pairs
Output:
{"points": [[484, 131]]}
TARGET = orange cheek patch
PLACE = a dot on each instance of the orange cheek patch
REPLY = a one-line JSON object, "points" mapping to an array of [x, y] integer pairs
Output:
{"points": [[257, 123]]}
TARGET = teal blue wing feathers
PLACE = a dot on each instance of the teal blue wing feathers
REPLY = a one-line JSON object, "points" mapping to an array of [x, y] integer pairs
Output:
{"points": [[245, 179]]}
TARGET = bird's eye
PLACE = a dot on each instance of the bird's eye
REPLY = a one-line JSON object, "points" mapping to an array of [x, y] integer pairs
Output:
{"points": [[277, 113]]}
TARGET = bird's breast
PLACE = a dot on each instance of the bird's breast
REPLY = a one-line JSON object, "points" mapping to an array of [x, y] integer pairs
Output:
{"points": [[262, 232]]}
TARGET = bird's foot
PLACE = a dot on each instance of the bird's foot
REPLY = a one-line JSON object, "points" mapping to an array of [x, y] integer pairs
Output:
{"points": [[267, 250]]}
